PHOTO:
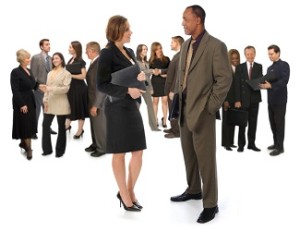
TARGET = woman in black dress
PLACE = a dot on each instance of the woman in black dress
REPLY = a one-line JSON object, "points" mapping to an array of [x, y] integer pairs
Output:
{"points": [[24, 116], [125, 129], [77, 94], [159, 63]]}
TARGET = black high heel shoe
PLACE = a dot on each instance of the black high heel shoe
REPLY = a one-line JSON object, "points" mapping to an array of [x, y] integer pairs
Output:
{"points": [[137, 204], [23, 145], [29, 154], [162, 122], [132, 208], [78, 136], [69, 128]]}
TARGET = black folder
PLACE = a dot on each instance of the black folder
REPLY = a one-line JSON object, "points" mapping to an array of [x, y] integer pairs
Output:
{"points": [[127, 77], [74, 68], [254, 83]]}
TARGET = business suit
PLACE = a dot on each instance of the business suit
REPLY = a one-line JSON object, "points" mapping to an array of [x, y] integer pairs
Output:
{"points": [[170, 87], [147, 95], [124, 126], [277, 100], [208, 81], [96, 99], [227, 129], [249, 99], [40, 71]]}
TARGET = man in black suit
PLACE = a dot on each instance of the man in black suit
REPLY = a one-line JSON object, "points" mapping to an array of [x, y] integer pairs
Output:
{"points": [[246, 98], [277, 98], [95, 104]]}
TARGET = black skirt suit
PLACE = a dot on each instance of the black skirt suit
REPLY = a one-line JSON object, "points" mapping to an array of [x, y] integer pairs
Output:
{"points": [[125, 129]]}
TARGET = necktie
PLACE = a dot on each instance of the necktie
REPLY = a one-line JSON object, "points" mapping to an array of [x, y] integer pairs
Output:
{"points": [[250, 71], [48, 62], [188, 62]]}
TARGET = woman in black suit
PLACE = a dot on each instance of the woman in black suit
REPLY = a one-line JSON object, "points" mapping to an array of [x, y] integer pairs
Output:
{"points": [[24, 117], [125, 129], [227, 129]]}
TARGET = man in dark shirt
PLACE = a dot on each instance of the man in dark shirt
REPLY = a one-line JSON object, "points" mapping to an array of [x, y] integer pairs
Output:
{"points": [[277, 98]]}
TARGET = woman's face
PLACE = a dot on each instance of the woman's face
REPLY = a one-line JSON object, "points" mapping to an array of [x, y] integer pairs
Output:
{"points": [[144, 51], [127, 34], [26, 60], [56, 60], [71, 50], [158, 51], [234, 59]]}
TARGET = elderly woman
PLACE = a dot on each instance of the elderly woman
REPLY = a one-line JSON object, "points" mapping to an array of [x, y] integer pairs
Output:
{"points": [[24, 115]]}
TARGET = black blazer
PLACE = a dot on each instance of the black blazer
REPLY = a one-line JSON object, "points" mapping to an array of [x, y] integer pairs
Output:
{"points": [[243, 92], [230, 95], [111, 60], [278, 94], [22, 85]]}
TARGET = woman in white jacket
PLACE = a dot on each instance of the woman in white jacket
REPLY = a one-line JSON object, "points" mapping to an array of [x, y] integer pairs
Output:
{"points": [[56, 103]]}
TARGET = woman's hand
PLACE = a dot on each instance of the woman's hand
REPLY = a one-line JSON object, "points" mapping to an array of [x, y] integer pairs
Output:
{"points": [[135, 92], [141, 76]]}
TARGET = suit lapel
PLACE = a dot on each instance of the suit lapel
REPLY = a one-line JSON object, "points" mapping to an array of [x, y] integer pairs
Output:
{"points": [[199, 51]]}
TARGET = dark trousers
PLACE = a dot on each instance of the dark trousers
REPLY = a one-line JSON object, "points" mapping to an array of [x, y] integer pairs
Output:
{"points": [[61, 136], [277, 122], [227, 131], [252, 125]]}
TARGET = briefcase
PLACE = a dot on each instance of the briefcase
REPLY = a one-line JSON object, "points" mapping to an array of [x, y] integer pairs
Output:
{"points": [[237, 117], [174, 112]]}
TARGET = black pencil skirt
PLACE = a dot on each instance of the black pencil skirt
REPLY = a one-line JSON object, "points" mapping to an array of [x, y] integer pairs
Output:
{"points": [[125, 129]]}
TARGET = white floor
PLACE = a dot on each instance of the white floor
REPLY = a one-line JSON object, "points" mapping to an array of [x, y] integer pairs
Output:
{"points": [[78, 192]]}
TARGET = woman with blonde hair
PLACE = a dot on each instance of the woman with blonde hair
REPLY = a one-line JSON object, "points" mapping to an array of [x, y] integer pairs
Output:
{"points": [[24, 115]]}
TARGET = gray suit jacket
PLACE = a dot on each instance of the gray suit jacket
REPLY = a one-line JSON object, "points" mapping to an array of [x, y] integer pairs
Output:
{"points": [[209, 79], [39, 68]]}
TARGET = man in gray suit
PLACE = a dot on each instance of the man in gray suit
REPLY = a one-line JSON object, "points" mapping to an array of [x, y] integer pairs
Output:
{"points": [[204, 78], [40, 66], [95, 104], [171, 87]]}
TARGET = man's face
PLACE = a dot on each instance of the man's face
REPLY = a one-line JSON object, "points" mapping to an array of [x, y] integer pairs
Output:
{"points": [[190, 22]]}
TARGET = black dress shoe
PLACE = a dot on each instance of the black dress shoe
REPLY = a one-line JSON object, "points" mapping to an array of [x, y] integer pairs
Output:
{"points": [[53, 132], [228, 148], [168, 130], [172, 135], [272, 147], [240, 149], [186, 196], [59, 155], [208, 214], [90, 148], [276, 152], [254, 148], [97, 154], [46, 153]]}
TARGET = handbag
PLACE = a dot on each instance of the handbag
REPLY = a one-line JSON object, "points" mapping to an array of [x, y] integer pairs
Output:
{"points": [[237, 117], [174, 111]]}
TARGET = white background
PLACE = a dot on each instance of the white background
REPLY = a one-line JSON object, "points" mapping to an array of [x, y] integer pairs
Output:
{"points": [[77, 192]]}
